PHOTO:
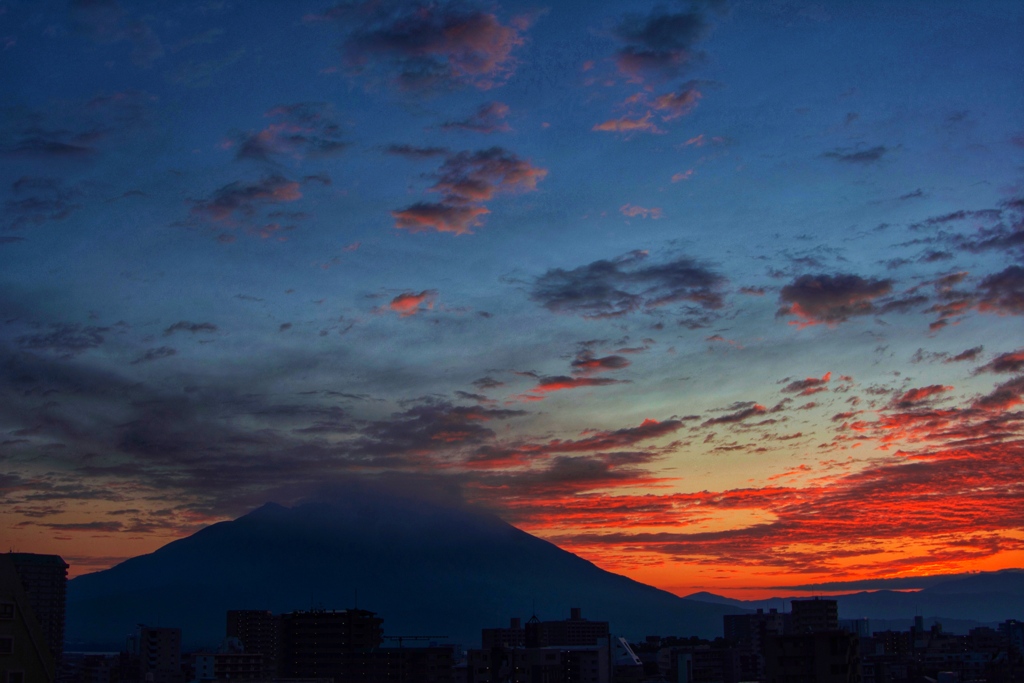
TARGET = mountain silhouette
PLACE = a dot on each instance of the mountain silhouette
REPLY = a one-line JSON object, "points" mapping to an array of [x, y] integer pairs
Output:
{"points": [[425, 568], [985, 598]]}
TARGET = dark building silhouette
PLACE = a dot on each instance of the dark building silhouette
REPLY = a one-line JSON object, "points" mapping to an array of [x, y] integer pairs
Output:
{"points": [[345, 645], [25, 655], [820, 657], [513, 636], [811, 616], [230, 663], [749, 635], [45, 580], [574, 650], [259, 633], [570, 632], [319, 643], [155, 655]]}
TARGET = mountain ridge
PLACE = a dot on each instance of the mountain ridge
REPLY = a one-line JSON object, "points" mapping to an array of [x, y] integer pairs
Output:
{"points": [[423, 567]]}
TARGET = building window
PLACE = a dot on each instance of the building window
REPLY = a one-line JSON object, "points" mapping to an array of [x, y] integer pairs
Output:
{"points": [[6, 610], [6, 645], [15, 677]]}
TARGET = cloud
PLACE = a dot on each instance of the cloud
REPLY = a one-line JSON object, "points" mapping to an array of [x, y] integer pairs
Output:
{"points": [[967, 354], [806, 387], [586, 362], [1003, 292], [913, 397], [862, 156], [186, 326], [633, 211], [620, 438], [105, 22], [1005, 362], [413, 152], [830, 299], [425, 45], [155, 354], [488, 118], [75, 130], [410, 303], [681, 103], [440, 216], [605, 289], [241, 199], [65, 339], [660, 44], [563, 382], [1005, 396], [307, 129], [464, 181], [38, 201], [755, 410], [627, 124]]}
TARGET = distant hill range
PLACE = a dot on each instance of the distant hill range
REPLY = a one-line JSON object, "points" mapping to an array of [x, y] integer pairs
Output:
{"points": [[958, 602], [426, 569]]}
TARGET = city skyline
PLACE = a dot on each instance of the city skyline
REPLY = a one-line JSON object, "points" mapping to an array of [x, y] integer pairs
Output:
{"points": [[721, 296]]}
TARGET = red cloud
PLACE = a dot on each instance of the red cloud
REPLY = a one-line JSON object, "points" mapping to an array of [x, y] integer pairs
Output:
{"points": [[806, 387], [422, 216], [409, 303], [586, 363], [561, 382], [466, 180], [915, 396]]}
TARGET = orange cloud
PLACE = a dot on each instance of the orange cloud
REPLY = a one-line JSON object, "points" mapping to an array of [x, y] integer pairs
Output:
{"points": [[409, 303], [626, 124], [632, 210]]}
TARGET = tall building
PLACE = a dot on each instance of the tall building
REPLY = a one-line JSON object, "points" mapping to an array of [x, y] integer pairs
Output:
{"points": [[45, 580], [158, 653], [811, 616], [25, 656], [259, 632]]}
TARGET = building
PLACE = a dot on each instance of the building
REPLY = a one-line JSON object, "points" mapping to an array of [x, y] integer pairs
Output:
{"points": [[25, 656], [811, 616], [45, 580], [228, 666], [817, 657], [320, 643], [574, 650], [513, 636], [748, 634], [574, 631], [259, 633], [155, 653]]}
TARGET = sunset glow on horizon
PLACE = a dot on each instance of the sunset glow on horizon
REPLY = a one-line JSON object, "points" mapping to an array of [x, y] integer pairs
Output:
{"points": [[723, 296]]}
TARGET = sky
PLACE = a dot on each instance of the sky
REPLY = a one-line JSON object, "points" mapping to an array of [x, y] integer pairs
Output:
{"points": [[720, 295]]}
